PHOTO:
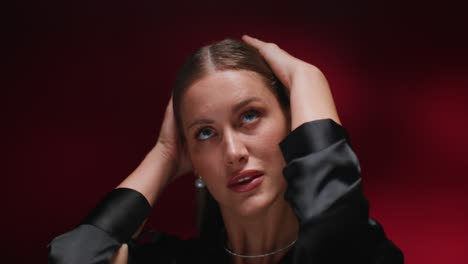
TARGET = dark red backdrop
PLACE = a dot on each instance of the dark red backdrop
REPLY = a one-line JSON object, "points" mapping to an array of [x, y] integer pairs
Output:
{"points": [[90, 82]]}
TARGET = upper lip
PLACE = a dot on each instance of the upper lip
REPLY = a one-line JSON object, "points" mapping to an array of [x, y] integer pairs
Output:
{"points": [[244, 174]]}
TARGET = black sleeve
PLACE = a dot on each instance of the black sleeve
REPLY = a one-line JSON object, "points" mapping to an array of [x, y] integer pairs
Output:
{"points": [[112, 222], [324, 189]]}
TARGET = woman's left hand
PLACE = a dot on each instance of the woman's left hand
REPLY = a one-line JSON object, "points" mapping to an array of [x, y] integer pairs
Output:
{"points": [[284, 65], [310, 94]]}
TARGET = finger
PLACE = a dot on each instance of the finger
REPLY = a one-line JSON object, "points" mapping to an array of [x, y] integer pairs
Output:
{"points": [[169, 110], [254, 42], [269, 50], [262, 46], [121, 257], [169, 104]]}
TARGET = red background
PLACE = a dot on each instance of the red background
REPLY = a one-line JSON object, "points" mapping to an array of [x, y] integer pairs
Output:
{"points": [[90, 81]]}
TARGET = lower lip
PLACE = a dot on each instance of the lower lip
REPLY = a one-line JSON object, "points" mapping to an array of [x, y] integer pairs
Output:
{"points": [[248, 186]]}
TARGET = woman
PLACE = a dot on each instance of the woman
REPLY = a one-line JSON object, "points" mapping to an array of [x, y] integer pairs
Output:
{"points": [[260, 130]]}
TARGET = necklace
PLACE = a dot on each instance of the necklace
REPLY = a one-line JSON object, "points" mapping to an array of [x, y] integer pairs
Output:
{"points": [[261, 255]]}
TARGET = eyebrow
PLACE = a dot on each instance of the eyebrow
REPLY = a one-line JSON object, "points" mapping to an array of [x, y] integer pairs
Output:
{"points": [[200, 122], [235, 108], [243, 103]]}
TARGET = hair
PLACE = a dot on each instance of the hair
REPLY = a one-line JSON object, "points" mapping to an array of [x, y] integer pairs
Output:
{"points": [[224, 55]]}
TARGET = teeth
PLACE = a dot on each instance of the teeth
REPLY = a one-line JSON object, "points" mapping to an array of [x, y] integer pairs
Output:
{"points": [[243, 179]]}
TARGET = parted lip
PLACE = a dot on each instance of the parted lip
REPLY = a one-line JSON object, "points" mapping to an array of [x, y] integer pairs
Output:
{"points": [[245, 173]]}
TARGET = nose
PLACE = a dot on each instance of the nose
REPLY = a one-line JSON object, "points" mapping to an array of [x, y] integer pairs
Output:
{"points": [[235, 149]]}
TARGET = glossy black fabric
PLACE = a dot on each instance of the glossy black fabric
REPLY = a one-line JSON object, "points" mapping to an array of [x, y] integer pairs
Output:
{"points": [[122, 221], [324, 189]]}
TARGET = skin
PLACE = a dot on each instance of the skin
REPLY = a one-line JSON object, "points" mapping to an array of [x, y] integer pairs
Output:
{"points": [[226, 142], [222, 142], [311, 99]]}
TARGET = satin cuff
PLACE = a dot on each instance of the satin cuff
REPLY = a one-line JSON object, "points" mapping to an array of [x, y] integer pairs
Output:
{"points": [[120, 213], [311, 137]]}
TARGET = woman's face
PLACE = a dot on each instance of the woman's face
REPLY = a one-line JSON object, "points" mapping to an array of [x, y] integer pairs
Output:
{"points": [[233, 124]]}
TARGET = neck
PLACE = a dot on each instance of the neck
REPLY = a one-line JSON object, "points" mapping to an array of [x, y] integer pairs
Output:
{"points": [[266, 231]]}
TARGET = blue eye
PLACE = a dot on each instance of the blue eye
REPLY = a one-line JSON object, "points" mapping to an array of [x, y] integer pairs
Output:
{"points": [[204, 134], [250, 116]]}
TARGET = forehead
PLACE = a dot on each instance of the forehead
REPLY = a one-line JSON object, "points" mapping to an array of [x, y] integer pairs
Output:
{"points": [[221, 90]]}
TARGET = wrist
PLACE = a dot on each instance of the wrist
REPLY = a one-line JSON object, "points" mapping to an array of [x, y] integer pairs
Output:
{"points": [[151, 176], [305, 71], [311, 97], [161, 156]]}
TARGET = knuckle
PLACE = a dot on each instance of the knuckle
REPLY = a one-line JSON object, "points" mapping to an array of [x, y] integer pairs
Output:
{"points": [[271, 46]]}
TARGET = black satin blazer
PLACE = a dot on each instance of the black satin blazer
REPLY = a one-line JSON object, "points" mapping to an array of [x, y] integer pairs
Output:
{"points": [[324, 189]]}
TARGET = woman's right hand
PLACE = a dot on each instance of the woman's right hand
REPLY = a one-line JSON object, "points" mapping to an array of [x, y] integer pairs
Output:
{"points": [[165, 162], [170, 145]]}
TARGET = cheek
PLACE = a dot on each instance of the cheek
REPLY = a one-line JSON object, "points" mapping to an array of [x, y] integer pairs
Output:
{"points": [[272, 155], [273, 132], [206, 164], [210, 168], [268, 145]]}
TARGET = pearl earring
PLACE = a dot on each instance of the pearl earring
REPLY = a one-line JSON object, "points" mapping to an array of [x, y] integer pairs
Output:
{"points": [[199, 183]]}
